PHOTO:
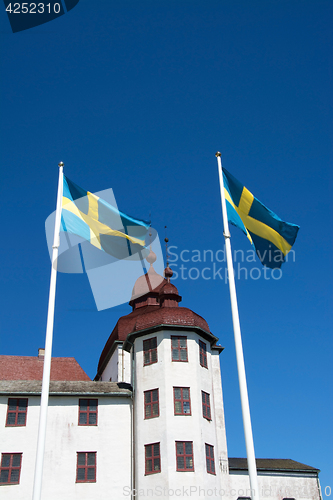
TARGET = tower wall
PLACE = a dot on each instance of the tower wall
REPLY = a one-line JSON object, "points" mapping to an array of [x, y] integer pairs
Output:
{"points": [[168, 428]]}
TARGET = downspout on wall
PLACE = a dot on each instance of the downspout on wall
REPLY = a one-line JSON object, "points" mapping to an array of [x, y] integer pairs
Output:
{"points": [[133, 496]]}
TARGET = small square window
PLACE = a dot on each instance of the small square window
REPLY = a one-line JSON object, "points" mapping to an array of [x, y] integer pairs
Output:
{"points": [[210, 459], [86, 467], [10, 469], [184, 456], [182, 401], [206, 405], [152, 458], [17, 412], [179, 348], [150, 351], [151, 404], [88, 411], [203, 354]]}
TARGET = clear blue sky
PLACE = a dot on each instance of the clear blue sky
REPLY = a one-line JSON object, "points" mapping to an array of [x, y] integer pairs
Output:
{"points": [[138, 97]]}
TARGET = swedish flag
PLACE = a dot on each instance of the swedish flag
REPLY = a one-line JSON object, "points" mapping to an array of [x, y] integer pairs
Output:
{"points": [[98, 222], [271, 237]]}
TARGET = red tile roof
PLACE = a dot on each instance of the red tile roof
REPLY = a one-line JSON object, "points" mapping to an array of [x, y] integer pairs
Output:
{"points": [[31, 368], [148, 317], [155, 302]]}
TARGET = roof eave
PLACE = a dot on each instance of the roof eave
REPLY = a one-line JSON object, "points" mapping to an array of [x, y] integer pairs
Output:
{"points": [[127, 394], [130, 337], [275, 469]]}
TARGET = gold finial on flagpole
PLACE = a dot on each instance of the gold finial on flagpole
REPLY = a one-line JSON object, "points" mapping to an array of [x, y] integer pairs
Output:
{"points": [[217, 154], [60, 164]]}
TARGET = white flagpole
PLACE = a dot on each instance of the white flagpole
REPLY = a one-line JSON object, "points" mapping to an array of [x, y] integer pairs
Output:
{"points": [[48, 347], [251, 461]]}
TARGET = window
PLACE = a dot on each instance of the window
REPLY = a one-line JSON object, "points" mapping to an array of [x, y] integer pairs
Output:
{"points": [[182, 400], [10, 469], [150, 351], [210, 459], [88, 411], [16, 412], [184, 455], [206, 405], [152, 458], [203, 354], [86, 467], [151, 403], [179, 348]]}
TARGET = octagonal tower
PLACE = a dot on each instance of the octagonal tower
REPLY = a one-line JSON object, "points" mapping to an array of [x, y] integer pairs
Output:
{"points": [[169, 356]]}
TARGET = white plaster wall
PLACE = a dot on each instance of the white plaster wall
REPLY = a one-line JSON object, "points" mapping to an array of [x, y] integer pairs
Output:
{"points": [[168, 428], [124, 366], [110, 372], [119, 367], [217, 401], [110, 439], [274, 486]]}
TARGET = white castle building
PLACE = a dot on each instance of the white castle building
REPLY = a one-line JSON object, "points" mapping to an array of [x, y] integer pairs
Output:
{"points": [[151, 424]]}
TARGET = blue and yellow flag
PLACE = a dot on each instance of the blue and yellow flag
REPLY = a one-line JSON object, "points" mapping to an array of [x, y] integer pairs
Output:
{"points": [[271, 237], [93, 219]]}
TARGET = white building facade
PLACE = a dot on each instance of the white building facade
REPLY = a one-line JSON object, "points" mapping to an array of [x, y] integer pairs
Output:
{"points": [[151, 425], [81, 461]]}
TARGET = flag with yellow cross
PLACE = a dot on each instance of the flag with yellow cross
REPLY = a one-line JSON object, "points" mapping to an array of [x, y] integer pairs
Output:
{"points": [[271, 237], [86, 215]]}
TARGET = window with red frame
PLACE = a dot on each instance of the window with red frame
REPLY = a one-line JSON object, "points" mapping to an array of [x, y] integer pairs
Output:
{"points": [[210, 459], [86, 467], [206, 405], [88, 411], [182, 402], [17, 412], [10, 468], [151, 403], [150, 351], [203, 354], [179, 348], [152, 458], [184, 455]]}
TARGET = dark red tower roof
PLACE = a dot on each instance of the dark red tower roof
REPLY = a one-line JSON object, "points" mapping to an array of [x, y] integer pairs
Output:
{"points": [[155, 303]]}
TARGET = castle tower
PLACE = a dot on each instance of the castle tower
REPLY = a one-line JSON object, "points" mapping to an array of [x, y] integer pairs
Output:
{"points": [[171, 359]]}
